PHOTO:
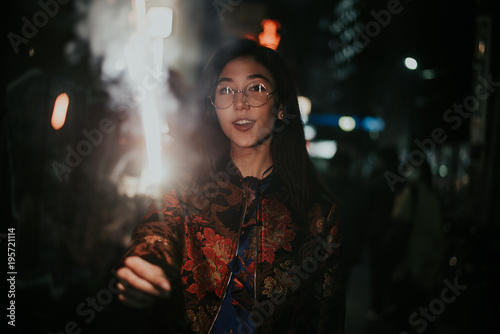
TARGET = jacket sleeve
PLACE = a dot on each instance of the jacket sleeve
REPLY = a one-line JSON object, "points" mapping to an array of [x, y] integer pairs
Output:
{"points": [[159, 237]]}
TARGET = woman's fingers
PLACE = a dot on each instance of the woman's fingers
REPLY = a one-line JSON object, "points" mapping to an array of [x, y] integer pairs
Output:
{"points": [[150, 273], [143, 283], [138, 283], [130, 279]]}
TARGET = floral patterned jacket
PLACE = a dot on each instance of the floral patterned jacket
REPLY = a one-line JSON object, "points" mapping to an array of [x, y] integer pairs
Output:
{"points": [[194, 235]]}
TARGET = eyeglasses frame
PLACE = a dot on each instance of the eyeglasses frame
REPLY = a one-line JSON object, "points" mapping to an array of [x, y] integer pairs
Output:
{"points": [[244, 96]]}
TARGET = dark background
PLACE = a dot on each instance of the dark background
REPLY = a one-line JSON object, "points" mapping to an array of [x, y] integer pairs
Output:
{"points": [[70, 235]]}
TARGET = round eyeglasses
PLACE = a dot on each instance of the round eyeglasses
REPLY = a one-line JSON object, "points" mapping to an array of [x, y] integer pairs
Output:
{"points": [[255, 94]]}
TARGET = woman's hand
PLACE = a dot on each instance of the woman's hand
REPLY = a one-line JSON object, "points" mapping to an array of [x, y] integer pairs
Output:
{"points": [[144, 284]]}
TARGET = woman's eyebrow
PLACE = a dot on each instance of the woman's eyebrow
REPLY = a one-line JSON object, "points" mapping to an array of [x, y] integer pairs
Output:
{"points": [[224, 79], [250, 77], [258, 76]]}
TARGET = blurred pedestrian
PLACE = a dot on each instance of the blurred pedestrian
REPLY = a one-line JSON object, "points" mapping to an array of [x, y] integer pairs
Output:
{"points": [[418, 272], [380, 237]]}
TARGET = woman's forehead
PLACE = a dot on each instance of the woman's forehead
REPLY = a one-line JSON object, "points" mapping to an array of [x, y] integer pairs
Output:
{"points": [[244, 68]]}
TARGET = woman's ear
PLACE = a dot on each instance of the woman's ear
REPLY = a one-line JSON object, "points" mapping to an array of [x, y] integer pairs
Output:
{"points": [[281, 112]]}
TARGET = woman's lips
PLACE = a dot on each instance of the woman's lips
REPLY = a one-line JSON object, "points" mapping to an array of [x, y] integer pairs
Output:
{"points": [[243, 124]]}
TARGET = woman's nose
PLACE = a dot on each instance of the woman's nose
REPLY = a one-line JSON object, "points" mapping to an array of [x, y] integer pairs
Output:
{"points": [[240, 100]]}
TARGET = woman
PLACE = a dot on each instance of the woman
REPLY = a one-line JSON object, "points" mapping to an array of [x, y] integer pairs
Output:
{"points": [[250, 243]]}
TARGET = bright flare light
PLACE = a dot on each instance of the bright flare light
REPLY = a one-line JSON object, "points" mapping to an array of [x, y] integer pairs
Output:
{"points": [[60, 111], [310, 132], [322, 149], [140, 10], [130, 39], [150, 120], [158, 25], [160, 21], [304, 107], [347, 123], [411, 63]]}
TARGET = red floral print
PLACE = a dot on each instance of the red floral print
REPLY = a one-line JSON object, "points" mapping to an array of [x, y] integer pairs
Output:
{"points": [[203, 241], [208, 264], [278, 230]]}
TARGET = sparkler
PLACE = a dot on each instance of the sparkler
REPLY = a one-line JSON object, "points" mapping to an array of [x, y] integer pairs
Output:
{"points": [[145, 51], [128, 40]]}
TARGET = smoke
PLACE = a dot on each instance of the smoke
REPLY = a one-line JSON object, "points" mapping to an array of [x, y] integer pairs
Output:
{"points": [[106, 26], [127, 42]]}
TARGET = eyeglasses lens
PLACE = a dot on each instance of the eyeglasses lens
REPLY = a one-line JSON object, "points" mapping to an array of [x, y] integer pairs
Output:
{"points": [[256, 95]]}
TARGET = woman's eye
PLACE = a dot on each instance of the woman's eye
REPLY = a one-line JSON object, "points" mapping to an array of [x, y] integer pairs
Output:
{"points": [[258, 88], [225, 90]]}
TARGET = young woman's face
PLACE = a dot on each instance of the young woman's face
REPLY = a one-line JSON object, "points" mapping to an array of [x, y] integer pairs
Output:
{"points": [[246, 126]]}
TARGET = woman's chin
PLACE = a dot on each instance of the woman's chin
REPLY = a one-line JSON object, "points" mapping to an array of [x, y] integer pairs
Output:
{"points": [[247, 144]]}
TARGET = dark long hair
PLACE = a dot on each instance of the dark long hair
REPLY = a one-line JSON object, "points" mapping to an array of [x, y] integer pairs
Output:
{"points": [[288, 145]]}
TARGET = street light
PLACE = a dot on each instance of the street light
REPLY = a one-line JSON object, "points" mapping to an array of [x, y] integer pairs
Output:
{"points": [[411, 63]]}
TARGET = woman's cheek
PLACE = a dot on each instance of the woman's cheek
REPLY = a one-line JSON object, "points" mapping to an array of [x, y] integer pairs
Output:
{"points": [[223, 122], [263, 133]]}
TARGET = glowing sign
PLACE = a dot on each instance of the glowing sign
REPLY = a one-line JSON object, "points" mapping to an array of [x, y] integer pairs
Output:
{"points": [[269, 37], [60, 110]]}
